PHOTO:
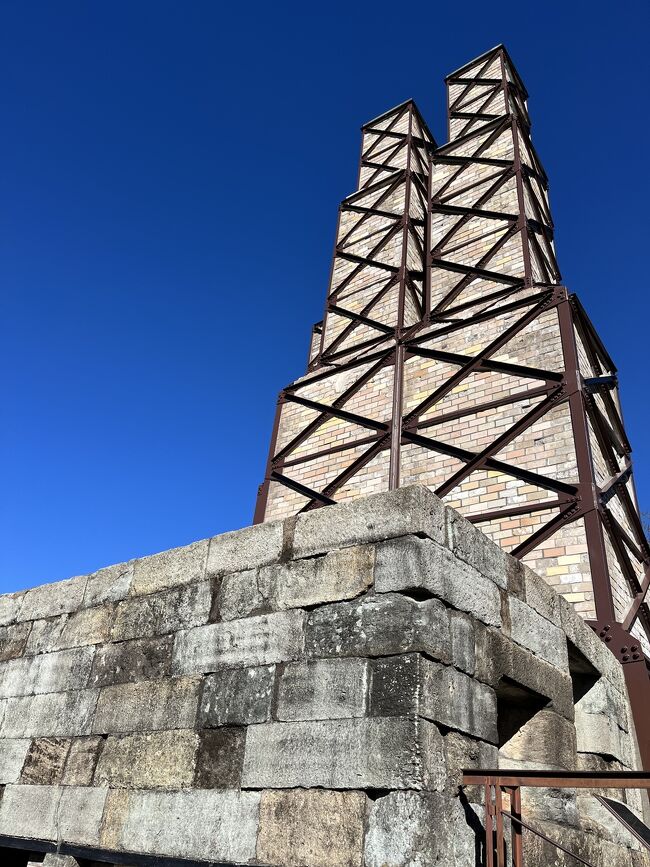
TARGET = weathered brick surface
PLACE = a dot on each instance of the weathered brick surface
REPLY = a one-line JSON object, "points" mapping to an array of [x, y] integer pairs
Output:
{"points": [[48, 673], [417, 828], [297, 704], [534, 632], [10, 605], [51, 599], [220, 758], [108, 585]]}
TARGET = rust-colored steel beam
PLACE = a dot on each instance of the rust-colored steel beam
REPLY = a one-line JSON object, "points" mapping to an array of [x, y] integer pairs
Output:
{"points": [[443, 265]]}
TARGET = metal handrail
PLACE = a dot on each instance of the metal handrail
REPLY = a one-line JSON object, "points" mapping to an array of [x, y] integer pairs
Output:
{"points": [[510, 782]]}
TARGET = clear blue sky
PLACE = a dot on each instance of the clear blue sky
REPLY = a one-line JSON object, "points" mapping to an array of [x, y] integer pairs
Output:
{"points": [[169, 179]]}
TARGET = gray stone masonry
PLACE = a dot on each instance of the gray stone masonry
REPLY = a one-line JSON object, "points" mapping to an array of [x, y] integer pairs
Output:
{"points": [[302, 693]]}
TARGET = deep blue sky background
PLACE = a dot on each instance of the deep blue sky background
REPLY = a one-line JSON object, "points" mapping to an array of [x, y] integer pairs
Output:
{"points": [[169, 178]]}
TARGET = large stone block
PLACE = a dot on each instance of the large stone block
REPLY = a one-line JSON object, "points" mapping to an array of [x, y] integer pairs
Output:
{"points": [[599, 733], [44, 761], [30, 811], [45, 634], [12, 759], [10, 604], [147, 706], [463, 641], [170, 568], [185, 824], [592, 848], [545, 741], [246, 549], [534, 632], [252, 641], [148, 760], [498, 657], [128, 661], [52, 672], [416, 829], [57, 714], [88, 626], [598, 819], [108, 585], [371, 519], [466, 753], [13, 640], [341, 574], [389, 753], [220, 758], [80, 815], [590, 645], [604, 698], [412, 564], [412, 684], [51, 599], [472, 546], [53, 813], [82, 761], [311, 828], [540, 596], [379, 626], [323, 689], [159, 613], [237, 696], [66, 669]]}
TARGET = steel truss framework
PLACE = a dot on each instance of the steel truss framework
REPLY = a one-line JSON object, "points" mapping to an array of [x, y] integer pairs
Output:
{"points": [[452, 246]]}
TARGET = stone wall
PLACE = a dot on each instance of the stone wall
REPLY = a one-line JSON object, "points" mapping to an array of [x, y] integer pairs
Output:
{"points": [[305, 692]]}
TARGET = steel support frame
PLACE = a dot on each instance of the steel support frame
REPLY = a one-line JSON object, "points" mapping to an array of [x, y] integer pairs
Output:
{"points": [[586, 399]]}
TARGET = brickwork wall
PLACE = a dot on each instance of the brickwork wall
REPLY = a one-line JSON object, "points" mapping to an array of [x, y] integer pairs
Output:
{"points": [[300, 693], [502, 184]]}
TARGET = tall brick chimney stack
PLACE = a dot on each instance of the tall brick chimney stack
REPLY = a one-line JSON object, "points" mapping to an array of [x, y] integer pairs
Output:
{"points": [[451, 355]]}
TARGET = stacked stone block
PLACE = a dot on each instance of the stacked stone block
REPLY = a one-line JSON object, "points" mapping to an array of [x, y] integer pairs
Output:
{"points": [[303, 692]]}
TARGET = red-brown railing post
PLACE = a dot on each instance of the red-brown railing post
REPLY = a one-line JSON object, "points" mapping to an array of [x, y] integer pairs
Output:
{"points": [[489, 826], [498, 807], [517, 839]]}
